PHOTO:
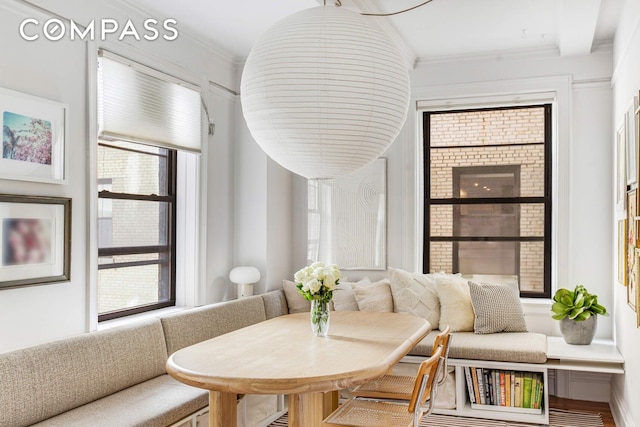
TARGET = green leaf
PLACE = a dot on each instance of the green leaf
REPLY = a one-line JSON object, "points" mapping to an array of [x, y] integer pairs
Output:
{"points": [[560, 309], [575, 313], [561, 293]]}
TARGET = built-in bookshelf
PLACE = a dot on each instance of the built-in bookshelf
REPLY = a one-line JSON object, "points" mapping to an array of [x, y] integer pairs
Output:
{"points": [[465, 403], [504, 390]]}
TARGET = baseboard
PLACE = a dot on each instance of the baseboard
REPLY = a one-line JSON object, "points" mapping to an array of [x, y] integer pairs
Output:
{"points": [[619, 409]]}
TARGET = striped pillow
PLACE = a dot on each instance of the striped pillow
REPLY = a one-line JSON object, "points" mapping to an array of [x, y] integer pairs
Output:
{"points": [[497, 308]]}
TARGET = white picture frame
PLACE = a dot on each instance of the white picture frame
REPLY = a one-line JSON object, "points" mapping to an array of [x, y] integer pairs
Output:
{"points": [[34, 131]]}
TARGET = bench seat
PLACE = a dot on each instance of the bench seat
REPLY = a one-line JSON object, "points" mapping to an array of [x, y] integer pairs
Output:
{"points": [[518, 347], [160, 401]]}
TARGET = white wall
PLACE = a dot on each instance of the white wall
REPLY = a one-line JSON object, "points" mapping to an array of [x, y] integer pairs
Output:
{"points": [[60, 71], [41, 313], [584, 175], [263, 211], [626, 84]]}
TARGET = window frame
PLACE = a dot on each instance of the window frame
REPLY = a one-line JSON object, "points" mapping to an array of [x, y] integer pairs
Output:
{"points": [[546, 199], [169, 249]]}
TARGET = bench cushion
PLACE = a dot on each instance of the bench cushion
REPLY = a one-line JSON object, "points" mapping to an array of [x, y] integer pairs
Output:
{"points": [[189, 327], [43, 381], [520, 347], [160, 401]]}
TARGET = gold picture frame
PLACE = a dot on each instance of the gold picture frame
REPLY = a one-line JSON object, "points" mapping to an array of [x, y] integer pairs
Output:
{"points": [[622, 251], [631, 242]]}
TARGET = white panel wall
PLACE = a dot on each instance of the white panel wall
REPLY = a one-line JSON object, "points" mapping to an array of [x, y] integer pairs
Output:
{"points": [[626, 83]]}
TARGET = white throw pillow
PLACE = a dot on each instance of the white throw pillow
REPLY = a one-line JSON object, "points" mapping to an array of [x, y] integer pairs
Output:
{"points": [[374, 296], [343, 297], [456, 309], [295, 301], [416, 294]]}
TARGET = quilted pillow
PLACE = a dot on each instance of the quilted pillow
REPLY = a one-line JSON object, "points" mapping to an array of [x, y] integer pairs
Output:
{"points": [[416, 294], [497, 308], [456, 310]]}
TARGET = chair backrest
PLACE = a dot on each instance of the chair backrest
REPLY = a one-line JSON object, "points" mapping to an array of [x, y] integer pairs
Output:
{"points": [[443, 339], [425, 385]]}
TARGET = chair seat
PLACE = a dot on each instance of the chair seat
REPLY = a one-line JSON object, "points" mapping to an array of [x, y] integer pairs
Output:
{"points": [[369, 413], [387, 387]]}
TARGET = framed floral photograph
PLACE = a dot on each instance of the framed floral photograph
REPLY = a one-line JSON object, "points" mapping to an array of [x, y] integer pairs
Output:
{"points": [[33, 138], [35, 240]]}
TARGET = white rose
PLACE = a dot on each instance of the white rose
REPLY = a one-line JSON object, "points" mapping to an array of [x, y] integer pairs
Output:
{"points": [[319, 273], [317, 265], [305, 286], [314, 286], [299, 276], [330, 281]]}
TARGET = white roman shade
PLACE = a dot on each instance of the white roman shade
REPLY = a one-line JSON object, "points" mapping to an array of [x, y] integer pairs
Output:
{"points": [[139, 104]]}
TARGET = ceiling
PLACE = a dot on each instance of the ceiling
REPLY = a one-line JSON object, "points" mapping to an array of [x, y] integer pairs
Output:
{"points": [[441, 29]]}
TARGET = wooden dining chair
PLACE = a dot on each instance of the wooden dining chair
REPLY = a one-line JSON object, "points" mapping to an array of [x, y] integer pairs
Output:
{"points": [[401, 386], [365, 412]]}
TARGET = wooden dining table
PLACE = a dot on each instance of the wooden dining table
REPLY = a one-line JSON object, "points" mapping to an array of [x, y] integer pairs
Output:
{"points": [[282, 356]]}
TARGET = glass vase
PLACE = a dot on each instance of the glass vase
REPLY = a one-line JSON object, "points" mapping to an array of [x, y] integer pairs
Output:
{"points": [[319, 318]]}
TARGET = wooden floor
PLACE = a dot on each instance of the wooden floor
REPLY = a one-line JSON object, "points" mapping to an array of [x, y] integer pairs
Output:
{"points": [[601, 408]]}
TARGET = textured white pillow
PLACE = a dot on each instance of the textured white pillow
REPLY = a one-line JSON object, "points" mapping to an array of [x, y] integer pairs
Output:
{"points": [[416, 294], [456, 310], [295, 301], [343, 297], [497, 308], [374, 296]]}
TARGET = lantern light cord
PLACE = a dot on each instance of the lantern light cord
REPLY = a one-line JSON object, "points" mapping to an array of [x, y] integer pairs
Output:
{"points": [[338, 3]]}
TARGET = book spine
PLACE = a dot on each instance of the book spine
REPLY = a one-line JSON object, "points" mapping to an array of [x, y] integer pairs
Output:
{"points": [[481, 386], [474, 376], [507, 388], [513, 386], [517, 391], [496, 388], [502, 389], [526, 393], [488, 393], [467, 373]]}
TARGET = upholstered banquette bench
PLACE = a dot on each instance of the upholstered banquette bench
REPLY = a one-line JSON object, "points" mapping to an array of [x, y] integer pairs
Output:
{"points": [[117, 377]]}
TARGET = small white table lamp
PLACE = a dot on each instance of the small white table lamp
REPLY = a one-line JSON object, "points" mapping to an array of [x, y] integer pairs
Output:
{"points": [[244, 277]]}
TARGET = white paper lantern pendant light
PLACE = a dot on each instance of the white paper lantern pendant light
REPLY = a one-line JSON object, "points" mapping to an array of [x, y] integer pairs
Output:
{"points": [[325, 92]]}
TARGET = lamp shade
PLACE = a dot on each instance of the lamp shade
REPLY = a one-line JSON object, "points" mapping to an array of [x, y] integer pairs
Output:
{"points": [[324, 92], [244, 275]]}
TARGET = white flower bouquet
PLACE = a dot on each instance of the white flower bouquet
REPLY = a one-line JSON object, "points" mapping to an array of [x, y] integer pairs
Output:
{"points": [[317, 281]]}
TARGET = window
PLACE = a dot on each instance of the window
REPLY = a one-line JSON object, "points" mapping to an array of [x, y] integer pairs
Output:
{"points": [[487, 195], [136, 228], [148, 121]]}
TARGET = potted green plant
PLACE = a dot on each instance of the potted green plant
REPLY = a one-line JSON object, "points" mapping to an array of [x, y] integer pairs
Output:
{"points": [[577, 312]]}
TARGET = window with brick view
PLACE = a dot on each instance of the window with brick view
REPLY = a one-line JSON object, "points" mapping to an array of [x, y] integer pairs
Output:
{"points": [[487, 202], [136, 228]]}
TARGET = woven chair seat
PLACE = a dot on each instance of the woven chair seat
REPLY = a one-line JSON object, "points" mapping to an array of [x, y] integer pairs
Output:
{"points": [[369, 413], [389, 387]]}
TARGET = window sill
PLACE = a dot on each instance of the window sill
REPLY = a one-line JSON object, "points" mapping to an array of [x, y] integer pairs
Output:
{"points": [[134, 318], [536, 305]]}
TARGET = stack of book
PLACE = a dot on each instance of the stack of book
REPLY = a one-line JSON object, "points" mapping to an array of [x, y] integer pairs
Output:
{"points": [[500, 389]]}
